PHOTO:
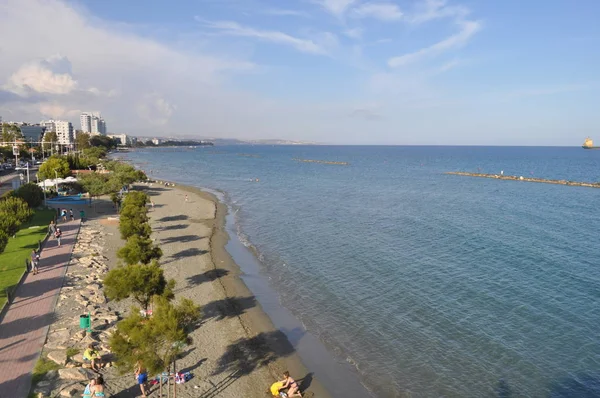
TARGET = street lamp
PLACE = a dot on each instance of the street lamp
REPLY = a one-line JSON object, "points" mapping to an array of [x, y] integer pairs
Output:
{"points": [[56, 180], [37, 178]]}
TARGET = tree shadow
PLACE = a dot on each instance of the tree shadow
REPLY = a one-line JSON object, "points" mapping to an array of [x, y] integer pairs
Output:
{"points": [[36, 288], [193, 367], [585, 385], [180, 217], [247, 354], [208, 276], [227, 308], [172, 227], [181, 239], [131, 392], [188, 253], [217, 389]]}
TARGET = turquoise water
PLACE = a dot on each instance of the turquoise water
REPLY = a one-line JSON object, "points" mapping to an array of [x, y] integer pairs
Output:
{"points": [[429, 284]]}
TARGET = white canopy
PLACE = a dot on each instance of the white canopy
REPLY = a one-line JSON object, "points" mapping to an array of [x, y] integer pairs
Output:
{"points": [[56, 181]]}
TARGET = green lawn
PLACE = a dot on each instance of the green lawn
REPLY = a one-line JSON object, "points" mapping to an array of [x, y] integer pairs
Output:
{"points": [[12, 260]]}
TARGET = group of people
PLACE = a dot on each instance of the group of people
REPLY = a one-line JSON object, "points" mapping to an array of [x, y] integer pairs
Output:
{"points": [[55, 231], [95, 388], [289, 384]]}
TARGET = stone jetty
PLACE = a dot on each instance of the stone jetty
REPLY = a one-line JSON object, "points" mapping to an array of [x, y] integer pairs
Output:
{"points": [[321, 161], [526, 179]]}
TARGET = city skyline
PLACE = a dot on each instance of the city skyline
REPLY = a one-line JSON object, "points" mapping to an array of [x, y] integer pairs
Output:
{"points": [[403, 72]]}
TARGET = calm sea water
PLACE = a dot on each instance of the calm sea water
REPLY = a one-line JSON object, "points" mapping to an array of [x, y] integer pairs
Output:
{"points": [[430, 285]]}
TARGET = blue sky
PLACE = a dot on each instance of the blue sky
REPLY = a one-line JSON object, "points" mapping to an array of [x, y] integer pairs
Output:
{"points": [[337, 71]]}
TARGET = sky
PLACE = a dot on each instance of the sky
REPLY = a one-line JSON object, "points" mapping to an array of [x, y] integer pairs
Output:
{"points": [[402, 72]]}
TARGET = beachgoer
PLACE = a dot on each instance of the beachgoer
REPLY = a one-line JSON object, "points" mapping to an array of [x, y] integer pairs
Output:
{"points": [[34, 261], [152, 204], [58, 235], [141, 376], [87, 393], [98, 388], [52, 228], [291, 385], [92, 355], [81, 215], [64, 215], [71, 214], [186, 198]]}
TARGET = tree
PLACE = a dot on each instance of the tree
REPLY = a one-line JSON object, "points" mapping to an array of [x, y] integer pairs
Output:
{"points": [[52, 164], [136, 198], [49, 138], [94, 183], [139, 249], [141, 282], [30, 193], [13, 212], [3, 240], [82, 141], [103, 141], [155, 341], [133, 221]]}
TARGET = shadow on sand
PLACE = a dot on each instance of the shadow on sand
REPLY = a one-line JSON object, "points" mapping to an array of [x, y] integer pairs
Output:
{"points": [[208, 276], [230, 307]]}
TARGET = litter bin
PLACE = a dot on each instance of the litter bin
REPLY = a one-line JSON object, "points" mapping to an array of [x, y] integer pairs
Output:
{"points": [[84, 321]]}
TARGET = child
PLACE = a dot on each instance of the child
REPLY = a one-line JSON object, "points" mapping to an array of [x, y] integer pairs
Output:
{"points": [[141, 376], [87, 393], [58, 235], [34, 261], [64, 215]]}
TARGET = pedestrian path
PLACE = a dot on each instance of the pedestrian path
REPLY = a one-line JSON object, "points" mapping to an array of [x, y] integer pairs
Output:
{"points": [[25, 324]]}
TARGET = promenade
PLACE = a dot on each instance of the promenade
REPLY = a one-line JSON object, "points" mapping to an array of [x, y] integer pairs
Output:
{"points": [[25, 324]]}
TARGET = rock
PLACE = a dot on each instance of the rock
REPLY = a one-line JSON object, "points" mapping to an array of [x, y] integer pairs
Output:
{"points": [[89, 339], [70, 392], [59, 356], [78, 358], [99, 299], [78, 374], [79, 335], [72, 365], [86, 365], [43, 387]]}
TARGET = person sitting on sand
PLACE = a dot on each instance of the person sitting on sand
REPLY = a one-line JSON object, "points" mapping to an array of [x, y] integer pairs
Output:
{"points": [[291, 385], [141, 376], [98, 388], [87, 393], [92, 355]]}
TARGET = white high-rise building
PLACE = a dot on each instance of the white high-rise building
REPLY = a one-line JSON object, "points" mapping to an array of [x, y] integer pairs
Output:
{"points": [[92, 123], [63, 130]]}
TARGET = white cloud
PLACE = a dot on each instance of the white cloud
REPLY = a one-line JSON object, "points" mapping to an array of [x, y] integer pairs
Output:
{"points": [[467, 30], [355, 33], [335, 7], [286, 13], [155, 109], [56, 111], [382, 11], [234, 29], [428, 10], [48, 76]]}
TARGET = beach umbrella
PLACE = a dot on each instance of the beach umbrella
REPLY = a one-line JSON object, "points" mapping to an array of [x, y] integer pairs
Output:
{"points": [[70, 179]]}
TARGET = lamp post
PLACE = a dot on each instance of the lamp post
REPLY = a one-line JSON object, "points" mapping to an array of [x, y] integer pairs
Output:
{"points": [[37, 178], [56, 181]]}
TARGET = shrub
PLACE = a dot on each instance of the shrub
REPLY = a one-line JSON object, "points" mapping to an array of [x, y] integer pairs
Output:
{"points": [[3, 240], [141, 282], [156, 341], [31, 193], [52, 164], [139, 249], [13, 212]]}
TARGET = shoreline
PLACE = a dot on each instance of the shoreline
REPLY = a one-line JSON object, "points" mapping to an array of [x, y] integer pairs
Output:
{"points": [[253, 320]]}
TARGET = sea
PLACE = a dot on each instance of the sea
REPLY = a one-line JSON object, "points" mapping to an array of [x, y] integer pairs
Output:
{"points": [[410, 282]]}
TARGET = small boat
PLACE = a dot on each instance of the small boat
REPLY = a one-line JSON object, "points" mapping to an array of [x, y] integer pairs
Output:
{"points": [[589, 144]]}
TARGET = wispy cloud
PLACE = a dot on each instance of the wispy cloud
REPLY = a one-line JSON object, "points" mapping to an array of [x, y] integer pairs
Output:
{"points": [[355, 33], [335, 7], [286, 13], [381, 11], [429, 10], [231, 28], [467, 30]]}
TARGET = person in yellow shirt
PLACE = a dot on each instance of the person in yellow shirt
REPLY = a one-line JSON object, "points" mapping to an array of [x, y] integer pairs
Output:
{"points": [[90, 354]]}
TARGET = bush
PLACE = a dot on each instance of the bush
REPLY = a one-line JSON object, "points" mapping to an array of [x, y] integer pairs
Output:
{"points": [[13, 212], [139, 249], [156, 341], [31, 193], [60, 164], [141, 282], [3, 240]]}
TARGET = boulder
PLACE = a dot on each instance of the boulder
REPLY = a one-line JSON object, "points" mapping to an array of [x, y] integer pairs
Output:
{"points": [[78, 374], [59, 357], [70, 392], [43, 387], [79, 335], [78, 358]]}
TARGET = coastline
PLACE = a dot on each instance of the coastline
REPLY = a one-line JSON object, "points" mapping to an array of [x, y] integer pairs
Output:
{"points": [[253, 320]]}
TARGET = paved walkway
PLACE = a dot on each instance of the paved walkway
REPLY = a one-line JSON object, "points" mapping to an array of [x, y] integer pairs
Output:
{"points": [[25, 325]]}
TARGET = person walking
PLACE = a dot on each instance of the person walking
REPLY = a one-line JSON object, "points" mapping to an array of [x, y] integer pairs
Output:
{"points": [[186, 198], [34, 259], [64, 215], [71, 215], [52, 228], [141, 376], [58, 235]]}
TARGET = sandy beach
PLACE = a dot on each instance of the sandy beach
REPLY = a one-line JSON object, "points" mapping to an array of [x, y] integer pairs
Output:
{"points": [[236, 351]]}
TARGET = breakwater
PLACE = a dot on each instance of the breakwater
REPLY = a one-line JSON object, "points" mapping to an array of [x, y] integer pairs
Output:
{"points": [[527, 179], [321, 161]]}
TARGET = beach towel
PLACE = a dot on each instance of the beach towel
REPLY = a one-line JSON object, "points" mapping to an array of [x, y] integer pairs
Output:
{"points": [[275, 387]]}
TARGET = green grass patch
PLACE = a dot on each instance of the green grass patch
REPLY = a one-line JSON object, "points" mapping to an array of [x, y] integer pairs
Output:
{"points": [[42, 366], [12, 260], [71, 352]]}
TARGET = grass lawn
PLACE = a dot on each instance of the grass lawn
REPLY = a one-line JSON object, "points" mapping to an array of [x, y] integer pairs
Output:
{"points": [[12, 260]]}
